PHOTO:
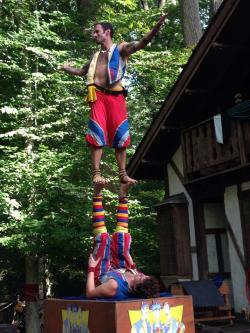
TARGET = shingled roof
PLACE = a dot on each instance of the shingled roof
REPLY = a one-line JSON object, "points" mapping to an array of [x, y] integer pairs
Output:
{"points": [[218, 68]]}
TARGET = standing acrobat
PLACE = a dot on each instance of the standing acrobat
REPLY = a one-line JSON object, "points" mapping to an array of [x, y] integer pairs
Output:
{"points": [[108, 124]]}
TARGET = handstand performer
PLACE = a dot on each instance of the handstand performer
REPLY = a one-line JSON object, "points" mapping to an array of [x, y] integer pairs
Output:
{"points": [[111, 270], [108, 124]]}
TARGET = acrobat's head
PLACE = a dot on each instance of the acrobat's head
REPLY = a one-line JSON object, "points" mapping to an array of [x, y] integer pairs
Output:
{"points": [[145, 286], [102, 32]]}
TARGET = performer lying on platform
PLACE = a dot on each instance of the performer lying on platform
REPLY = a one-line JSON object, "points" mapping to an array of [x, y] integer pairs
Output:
{"points": [[111, 270]]}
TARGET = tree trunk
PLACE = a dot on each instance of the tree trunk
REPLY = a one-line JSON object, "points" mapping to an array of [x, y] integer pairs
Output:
{"points": [[144, 4], [32, 320], [215, 4], [82, 4], [45, 281], [191, 24], [161, 3]]}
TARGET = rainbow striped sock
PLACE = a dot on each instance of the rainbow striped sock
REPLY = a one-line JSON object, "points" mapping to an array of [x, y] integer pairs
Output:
{"points": [[122, 215], [98, 216]]}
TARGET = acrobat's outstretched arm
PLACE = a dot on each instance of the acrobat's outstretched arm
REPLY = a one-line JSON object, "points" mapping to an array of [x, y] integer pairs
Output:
{"points": [[73, 70], [129, 48]]}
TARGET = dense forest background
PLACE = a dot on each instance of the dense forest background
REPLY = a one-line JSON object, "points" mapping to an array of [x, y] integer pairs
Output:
{"points": [[45, 171]]}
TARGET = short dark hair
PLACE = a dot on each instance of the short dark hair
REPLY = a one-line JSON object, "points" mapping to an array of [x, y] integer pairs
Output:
{"points": [[107, 26], [149, 288]]}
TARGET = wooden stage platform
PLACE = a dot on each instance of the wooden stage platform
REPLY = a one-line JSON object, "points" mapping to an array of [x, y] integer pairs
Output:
{"points": [[100, 316]]}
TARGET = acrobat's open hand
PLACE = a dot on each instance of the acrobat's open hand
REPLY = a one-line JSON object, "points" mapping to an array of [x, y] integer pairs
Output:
{"points": [[63, 67], [92, 262], [161, 21]]}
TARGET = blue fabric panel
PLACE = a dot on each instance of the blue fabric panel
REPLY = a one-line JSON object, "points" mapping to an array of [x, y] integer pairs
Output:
{"points": [[84, 298], [121, 134], [204, 292], [106, 257], [114, 63], [120, 250], [97, 132]]}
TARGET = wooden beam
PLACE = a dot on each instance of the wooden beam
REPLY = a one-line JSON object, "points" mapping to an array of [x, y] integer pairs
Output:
{"points": [[242, 146], [152, 162], [235, 243], [200, 238], [195, 91], [244, 224], [166, 181], [197, 124], [222, 46], [217, 175], [169, 128], [177, 171]]}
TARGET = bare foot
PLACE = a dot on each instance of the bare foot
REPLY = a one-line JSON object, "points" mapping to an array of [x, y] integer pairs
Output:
{"points": [[124, 188], [98, 187], [125, 179], [98, 179]]}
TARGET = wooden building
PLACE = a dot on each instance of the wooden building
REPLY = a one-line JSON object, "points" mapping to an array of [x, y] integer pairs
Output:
{"points": [[199, 143]]}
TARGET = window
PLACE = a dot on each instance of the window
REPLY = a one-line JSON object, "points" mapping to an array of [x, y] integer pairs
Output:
{"points": [[217, 252]]}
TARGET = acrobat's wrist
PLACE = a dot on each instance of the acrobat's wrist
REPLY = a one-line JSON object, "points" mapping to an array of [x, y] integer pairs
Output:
{"points": [[155, 29], [91, 269]]}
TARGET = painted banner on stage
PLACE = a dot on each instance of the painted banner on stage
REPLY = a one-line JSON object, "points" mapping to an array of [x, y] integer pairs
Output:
{"points": [[75, 320], [157, 318]]}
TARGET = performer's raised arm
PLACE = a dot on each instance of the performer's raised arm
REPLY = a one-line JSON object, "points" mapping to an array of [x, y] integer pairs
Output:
{"points": [[107, 289], [75, 71], [129, 48]]}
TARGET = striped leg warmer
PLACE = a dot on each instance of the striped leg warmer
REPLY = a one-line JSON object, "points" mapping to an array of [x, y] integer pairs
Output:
{"points": [[122, 215], [98, 216]]}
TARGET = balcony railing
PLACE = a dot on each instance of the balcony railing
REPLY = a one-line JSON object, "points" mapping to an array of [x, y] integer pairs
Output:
{"points": [[202, 155]]}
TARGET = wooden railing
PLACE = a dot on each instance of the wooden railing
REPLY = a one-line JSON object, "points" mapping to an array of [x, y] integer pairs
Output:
{"points": [[202, 155]]}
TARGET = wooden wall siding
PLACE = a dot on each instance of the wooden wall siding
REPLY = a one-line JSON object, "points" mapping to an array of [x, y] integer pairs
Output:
{"points": [[175, 253], [167, 252], [202, 155], [246, 137], [182, 240], [166, 243]]}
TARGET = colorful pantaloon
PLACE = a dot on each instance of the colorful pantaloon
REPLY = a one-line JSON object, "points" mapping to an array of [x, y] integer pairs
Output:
{"points": [[108, 124]]}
